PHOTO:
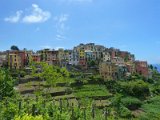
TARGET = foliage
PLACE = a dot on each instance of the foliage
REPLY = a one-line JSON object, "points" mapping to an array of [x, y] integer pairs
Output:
{"points": [[52, 74], [126, 58], [156, 89], [116, 102], [13, 47], [112, 86], [125, 112], [124, 97], [151, 109], [91, 63], [9, 110], [91, 91], [22, 73], [6, 84], [95, 79], [136, 88], [122, 111], [131, 103], [28, 117], [47, 110]]}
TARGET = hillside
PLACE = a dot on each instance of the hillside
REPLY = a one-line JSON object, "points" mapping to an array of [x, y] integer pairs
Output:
{"points": [[77, 95]]}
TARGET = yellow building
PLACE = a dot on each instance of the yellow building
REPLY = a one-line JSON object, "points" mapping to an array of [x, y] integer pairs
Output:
{"points": [[81, 53], [108, 70], [16, 59], [13, 60]]}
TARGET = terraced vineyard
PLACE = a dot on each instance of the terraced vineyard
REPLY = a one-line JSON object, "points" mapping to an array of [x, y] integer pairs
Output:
{"points": [[56, 94]]}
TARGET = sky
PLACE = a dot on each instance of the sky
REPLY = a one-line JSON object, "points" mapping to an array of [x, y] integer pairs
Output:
{"points": [[130, 25]]}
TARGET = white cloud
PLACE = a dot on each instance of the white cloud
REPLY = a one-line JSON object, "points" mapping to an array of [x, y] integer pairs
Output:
{"points": [[60, 37], [15, 18], [37, 15], [61, 26], [62, 20]]}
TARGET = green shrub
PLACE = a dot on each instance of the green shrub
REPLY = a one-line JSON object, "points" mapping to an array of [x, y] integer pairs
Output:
{"points": [[8, 109], [6, 84], [125, 112], [22, 73], [156, 89], [29, 117], [149, 116], [131, 103], [151, 109], [137, 88]]}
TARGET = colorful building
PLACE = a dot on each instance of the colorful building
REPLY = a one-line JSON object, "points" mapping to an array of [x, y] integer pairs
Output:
{"points": [[118, 61], [85, 55], [52, 57], [55, 59], [73, 57], [106, 56], [89, 55], [82, 60], [130, 67], [108, 70], [36, 57], [141, 67], [16, 59]]}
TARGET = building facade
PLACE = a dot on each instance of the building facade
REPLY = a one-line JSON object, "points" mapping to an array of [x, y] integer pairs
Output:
{"points": [[141, 67], [108, 70], [16, 59]]}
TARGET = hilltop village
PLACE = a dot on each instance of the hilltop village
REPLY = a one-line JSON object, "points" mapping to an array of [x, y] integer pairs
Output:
{"points": [[88, 82], [111, 63]]}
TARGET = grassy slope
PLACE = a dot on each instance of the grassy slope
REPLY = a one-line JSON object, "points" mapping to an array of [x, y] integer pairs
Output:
{"points": [[149, 109]]}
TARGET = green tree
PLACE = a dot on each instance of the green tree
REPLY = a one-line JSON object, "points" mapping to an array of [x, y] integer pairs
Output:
{"points": [[92, 63], [52, 74], [6, 84], [151, 67], [13, 47], [137, 88]]}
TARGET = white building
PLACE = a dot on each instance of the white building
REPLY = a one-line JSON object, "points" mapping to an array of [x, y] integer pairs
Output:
{"points": [[73, 57], [118, 61], [106, 56]]}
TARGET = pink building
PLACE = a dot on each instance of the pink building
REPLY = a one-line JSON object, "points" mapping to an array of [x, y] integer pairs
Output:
{"points": [[142, 68]]}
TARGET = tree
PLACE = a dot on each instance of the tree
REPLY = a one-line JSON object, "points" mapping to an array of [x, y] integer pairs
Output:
{"points": [[13, 47], [51, 74], [126, 58], [151, 67], [92, 63], [25, 49], [136, 88], [6, 84], [155, 68]]}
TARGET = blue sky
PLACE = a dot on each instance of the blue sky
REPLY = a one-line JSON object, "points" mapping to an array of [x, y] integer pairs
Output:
{"points": [[132, 25]]}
